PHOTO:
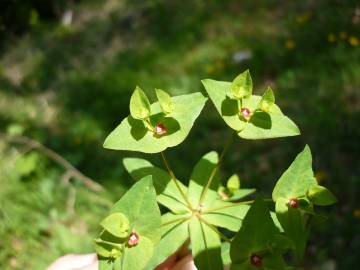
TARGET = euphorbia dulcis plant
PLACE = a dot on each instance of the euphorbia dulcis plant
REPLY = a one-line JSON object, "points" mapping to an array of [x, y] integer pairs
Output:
{"points": [[215, 222]]}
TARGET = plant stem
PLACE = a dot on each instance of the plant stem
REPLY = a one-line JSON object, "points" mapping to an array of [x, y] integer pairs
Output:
{"points": [[175, 180], [227, 206], [182, 219], [232, 205], [213, 172], [215, 230]]}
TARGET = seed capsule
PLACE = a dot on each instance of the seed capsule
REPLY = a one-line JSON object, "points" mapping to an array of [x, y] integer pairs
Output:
{"points": [[246, 113], [256, 260], [133, 239], [160, 129], [293, 203]]}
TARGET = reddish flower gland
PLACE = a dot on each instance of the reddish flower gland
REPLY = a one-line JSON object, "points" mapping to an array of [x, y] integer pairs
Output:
{"points": [[246, 113], [293, 203], [133, 239], [256, 260], [160, 129]]}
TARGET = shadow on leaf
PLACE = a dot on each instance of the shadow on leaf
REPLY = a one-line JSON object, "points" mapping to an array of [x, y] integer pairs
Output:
{"points": [[163, 179], [229, 107], [138, 129], [205, 259], [261, 120], [170, 123]]}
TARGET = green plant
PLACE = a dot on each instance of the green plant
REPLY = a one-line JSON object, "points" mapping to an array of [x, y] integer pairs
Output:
{"points": [[218, 226]]}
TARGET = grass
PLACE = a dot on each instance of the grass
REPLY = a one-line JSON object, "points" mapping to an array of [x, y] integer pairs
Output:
{"points": [[68, 87]]}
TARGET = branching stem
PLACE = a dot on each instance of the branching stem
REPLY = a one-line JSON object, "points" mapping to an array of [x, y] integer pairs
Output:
{"points": [[175, 180], [215, 229], [213, 172], [182, 219], [232, 205]]}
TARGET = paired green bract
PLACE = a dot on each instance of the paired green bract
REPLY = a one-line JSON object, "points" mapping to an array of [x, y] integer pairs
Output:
{"points": [[136, 212], [265, 120], [207, 214], [137, 131], [298, 184]]}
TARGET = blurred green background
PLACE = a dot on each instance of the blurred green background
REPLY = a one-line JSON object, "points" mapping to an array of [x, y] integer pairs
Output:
{"points": [[67, 70]]}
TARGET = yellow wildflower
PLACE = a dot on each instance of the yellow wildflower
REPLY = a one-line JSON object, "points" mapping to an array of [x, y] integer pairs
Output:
{"points": [[300, 19], [290, 44], [331, 38], [356, 213], [343, 35], [354, 41]]}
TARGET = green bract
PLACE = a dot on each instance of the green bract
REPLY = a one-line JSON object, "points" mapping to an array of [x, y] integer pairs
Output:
{"points": [[261, 124], [166, 103], [298, 184], [267, 101], [241, 87], [136, 135], [233, 183], [297, 179], [136, 212], [257, 237], [139, 104], [209, 217], [117, 224], [320, 195]]}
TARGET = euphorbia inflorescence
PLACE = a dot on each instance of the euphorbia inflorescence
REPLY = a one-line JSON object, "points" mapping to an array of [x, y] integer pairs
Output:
{"points": [[133, 239], [160, 129], [256, 260], [246, 113], [293, 203]]}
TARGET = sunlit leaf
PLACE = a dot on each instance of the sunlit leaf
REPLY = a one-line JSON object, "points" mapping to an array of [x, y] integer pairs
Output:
{"points": [[205, 246], [167, 192], [261, 125], [233, 183], [297, 179], [116, 224], [139, 104], [140, 207], [242, 86], [320, 195], [199, 178], [171, 241], [134, 135], [267, 100], [166, 103]]}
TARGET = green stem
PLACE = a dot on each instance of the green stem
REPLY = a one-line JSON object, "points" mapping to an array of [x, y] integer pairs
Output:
{"points": [[232, 205], [182, 219], [175, 180], [213, 172], [227, 206], [222, 236], [148, 124]]}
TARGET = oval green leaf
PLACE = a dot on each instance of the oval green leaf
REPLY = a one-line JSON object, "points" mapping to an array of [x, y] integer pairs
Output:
{"points": [[166, 103], [139, 104], [242, 86]]}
